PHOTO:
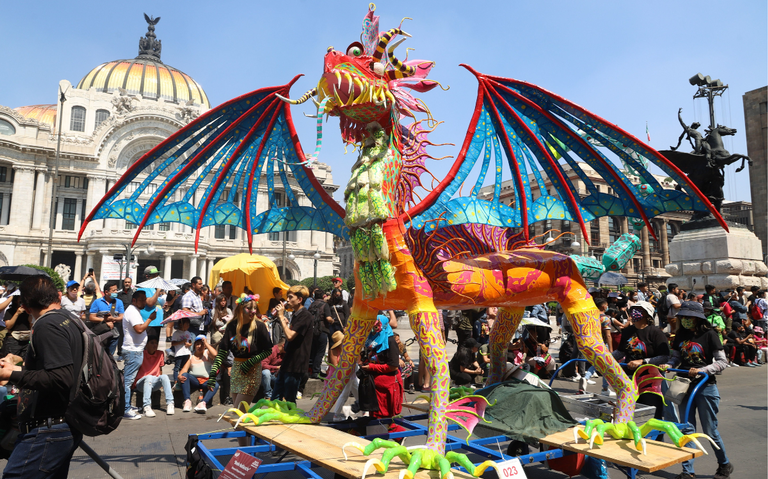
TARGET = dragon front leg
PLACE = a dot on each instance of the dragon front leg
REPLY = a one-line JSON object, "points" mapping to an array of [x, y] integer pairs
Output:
{"points": [[674, 433], [503, 329]]}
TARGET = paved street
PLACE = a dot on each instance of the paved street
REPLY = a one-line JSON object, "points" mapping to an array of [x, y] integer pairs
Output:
{"points": [[154, 447]]}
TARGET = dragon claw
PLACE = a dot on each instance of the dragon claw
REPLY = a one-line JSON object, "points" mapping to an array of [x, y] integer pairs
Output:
{"points": [[380, 467], [351, 444], [692, 438]]}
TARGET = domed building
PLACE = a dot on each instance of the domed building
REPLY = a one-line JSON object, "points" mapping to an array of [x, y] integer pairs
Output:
{"points": [[117, 112]]}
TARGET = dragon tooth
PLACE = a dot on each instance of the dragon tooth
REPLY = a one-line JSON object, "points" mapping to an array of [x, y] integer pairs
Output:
{"points": [[338, 77], [391, 97], [350, 85]]}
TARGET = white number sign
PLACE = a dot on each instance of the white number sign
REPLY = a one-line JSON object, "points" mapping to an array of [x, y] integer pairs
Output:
{"points": [[512, 469]]}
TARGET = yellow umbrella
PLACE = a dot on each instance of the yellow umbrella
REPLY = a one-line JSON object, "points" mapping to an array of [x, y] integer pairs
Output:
{"points": [[256, 272]]}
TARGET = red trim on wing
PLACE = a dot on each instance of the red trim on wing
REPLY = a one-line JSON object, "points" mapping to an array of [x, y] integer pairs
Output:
{"points": [[574, 204], [328, 199], [435, 193], [137, 165], [249, 190], [515, 166], [650, 149], [223, 172]]}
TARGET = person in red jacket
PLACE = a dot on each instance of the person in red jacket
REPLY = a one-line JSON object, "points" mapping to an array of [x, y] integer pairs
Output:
{"points": [[271, 366]]}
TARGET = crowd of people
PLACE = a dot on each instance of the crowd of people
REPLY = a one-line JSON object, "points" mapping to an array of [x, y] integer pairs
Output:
{"points": [[222, 342]]}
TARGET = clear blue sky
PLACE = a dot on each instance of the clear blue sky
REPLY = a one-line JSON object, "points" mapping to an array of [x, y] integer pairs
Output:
{"points": [[628, 62]]}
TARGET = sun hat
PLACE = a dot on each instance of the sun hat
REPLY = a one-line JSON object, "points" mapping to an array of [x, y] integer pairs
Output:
{"points": [[758, 329], [336, 339], [691, 309], [151, 270], [645, 306]]}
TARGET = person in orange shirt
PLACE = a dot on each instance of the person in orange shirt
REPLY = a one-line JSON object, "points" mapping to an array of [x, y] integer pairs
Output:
{"points": [[150, 378]]}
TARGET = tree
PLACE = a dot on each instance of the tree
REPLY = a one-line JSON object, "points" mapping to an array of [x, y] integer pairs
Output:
{"points": [[325, 283], [53, 274]]}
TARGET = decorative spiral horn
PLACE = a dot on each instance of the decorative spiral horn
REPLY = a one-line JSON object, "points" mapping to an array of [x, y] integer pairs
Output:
{"points": [[310, 94], [384, 41], [401, 70]]}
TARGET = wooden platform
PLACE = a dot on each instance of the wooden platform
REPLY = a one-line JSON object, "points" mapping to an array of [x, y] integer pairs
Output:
{"points": [[659, 455], [321, 445]]}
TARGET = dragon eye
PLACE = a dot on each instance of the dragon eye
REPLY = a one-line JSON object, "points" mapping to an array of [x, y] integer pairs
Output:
{"points": [[355, 49]]}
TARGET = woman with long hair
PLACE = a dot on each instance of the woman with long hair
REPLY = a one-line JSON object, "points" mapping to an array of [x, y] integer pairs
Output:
{"points": [[247, 338], [339, 311], [221, 316], [697, 349]]}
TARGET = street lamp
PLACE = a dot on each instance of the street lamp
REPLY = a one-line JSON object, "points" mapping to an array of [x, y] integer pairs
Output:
{"points": [[709, 89], [576, 247], [52, 223], [317, 257], [129, 256]]}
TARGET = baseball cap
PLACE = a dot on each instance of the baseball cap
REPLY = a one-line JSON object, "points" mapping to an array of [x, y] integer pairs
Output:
{"points": [[200, 337], [71, 283], [151, 270], [471, 343], [338, 279]]}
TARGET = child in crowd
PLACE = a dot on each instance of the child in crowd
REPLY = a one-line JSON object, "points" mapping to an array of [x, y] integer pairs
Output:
{"points": [[151, 378], [762, 345], [182, 341]]}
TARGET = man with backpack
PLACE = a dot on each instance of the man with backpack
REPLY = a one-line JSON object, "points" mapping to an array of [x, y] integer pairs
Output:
{"points": [[47, 382]]}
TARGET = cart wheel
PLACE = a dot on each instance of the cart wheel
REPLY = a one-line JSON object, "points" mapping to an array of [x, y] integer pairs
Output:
{"points": [[517, 448]]}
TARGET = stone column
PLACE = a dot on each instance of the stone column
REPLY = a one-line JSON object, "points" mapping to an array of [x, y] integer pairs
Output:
{"points": [[623, 225], [211, 264], [78, 272], [21, 210], [88, 261], [167, 266], [664, 243], [201, 271], [646, 250], [96, 187], [192, 266], [40, 199]]}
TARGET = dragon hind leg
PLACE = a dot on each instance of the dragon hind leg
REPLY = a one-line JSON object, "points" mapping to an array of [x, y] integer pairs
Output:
{"points": [[585, 320], [503, 329], [359, 325]]}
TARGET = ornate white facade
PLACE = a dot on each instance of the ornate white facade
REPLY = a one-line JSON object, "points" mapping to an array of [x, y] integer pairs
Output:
{"points": [[105, 128]]}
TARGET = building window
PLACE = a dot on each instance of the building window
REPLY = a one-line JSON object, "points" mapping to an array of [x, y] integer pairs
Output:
{"points": [[671, 232], [85, 183], [164, 227], [614, 231], [101, 115], [219, 232], [69, 214], [77, 122], [130, 226], [6, 128], [5, 208], [3, 174], [232, 232], [68, 182], [594, 232]]}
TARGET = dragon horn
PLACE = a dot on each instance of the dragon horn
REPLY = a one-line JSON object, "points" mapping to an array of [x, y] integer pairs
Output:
{"points": [[311, 93], [401, 70], [384, 40]]}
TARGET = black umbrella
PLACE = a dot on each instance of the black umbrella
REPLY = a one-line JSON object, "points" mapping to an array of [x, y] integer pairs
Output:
{"points": [[19, 273], [612, 279]]}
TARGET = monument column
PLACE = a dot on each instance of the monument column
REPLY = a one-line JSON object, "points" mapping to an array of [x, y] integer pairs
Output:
{"points": [[88, 261], [167, 267], [664, 243], [211, 263]]}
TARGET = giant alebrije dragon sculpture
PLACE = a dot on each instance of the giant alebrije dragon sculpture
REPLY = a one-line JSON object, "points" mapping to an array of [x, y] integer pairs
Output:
{"points": [[443, 251]]}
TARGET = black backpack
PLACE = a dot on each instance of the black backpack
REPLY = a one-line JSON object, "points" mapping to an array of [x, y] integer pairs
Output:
{"points": [[99, 393], [662, 308], [316, 309]]}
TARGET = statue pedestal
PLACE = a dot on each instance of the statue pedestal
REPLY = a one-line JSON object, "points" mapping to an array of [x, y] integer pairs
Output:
{"points": [[713, 256]]}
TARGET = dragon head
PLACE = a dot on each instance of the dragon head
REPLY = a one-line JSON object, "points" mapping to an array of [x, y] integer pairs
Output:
{"points": [[364, 83]]}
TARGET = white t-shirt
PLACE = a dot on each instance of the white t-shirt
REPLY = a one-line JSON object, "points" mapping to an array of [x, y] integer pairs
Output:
{"points": [[181, 349], [74, 308], [671, 301], [133, 341]]}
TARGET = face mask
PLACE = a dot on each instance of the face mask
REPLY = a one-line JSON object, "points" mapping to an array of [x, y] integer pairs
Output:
{"points": [[161, 301], [687, 322], [113, 295], [636, 315]]}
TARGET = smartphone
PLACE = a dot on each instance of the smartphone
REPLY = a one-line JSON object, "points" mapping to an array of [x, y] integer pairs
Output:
{"points": [[90, 271]]}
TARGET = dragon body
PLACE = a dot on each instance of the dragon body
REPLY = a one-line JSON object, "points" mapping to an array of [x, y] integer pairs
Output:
{"points": [[444, 250]]}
